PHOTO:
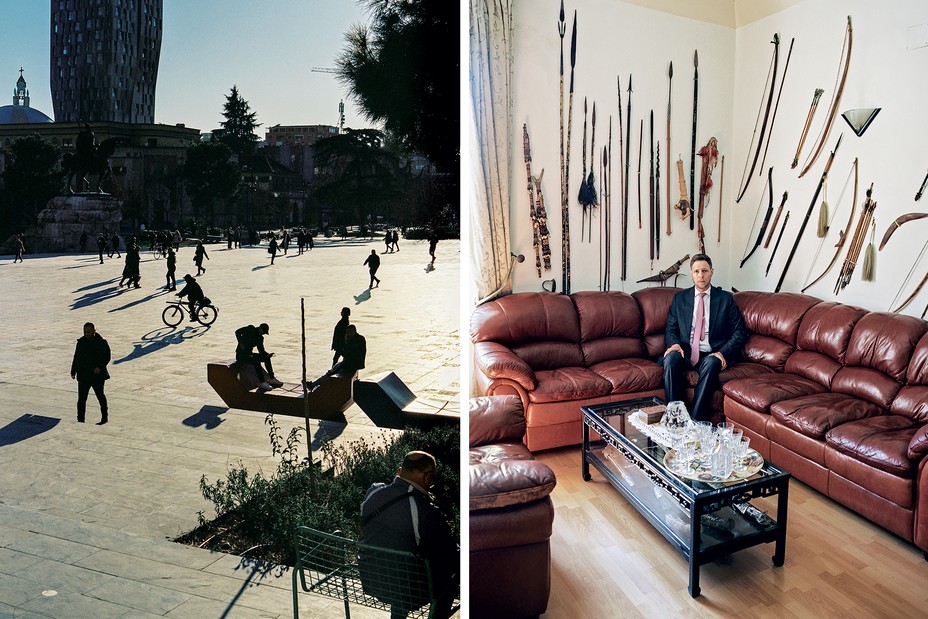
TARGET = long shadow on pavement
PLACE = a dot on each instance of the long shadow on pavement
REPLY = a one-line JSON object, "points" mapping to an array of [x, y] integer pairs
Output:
{"points": [[26, 427], [95, 297], [97, 285], [361, 298], [162, 337], [160, 293], [207, 416], [327, 430]]}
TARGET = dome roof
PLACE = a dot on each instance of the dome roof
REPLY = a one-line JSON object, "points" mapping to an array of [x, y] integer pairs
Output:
{"points": [[20, 114]]}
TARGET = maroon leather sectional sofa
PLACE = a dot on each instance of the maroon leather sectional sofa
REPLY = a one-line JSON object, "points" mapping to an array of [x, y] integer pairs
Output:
{"points": [[834, 394]]}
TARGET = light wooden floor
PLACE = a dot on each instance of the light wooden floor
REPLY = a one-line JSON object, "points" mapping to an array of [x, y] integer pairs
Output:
{"points": [[608, 561]]}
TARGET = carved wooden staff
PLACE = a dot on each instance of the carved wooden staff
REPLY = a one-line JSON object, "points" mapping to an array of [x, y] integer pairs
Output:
{"points": [[657, 202], [684, 204], [693, 149], [718, 240], [805, 129], [746, 174], [710, 157], [776, 245], [860, 236], [776, 218], [805, 220], [667, 152], [640, 142], [561, 30], [530, 186], [607, 199], [628, 145], [835, 101], [621, 163], [565, 214]]}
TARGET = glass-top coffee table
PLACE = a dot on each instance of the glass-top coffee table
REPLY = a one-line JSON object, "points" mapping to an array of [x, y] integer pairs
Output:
{"points": [[703, 520]]}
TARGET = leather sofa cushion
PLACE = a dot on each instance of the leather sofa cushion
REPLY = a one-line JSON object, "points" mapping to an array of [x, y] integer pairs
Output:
{"points": [[569, 383], [813, 365], [826, 328], [497, 361], [866, 384], [495, 419], [630, 375], [505, 474], [654, 304], [814, 415], [885, 342], [917, 372], [912, 402], [609, 316], [741, 369], [540, 327], [776, 316], [918, 445], [768, 351], [881, 442], [610, 348], [761, 391]]}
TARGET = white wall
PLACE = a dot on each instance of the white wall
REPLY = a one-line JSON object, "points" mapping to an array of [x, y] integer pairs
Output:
{"points": [[615, 38]]}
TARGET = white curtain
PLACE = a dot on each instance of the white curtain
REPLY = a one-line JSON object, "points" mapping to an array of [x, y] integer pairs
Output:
{"points": [[491, 106]]}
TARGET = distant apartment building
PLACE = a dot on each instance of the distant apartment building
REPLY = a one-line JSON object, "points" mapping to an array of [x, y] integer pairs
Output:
{"points": [[292, 146], [104, 59]]}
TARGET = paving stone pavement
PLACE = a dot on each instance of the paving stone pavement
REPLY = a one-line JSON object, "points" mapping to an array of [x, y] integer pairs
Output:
{"points": [[86, 511]]}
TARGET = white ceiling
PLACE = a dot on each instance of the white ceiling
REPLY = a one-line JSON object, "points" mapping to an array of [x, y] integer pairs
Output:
{"points": [[730, 13]]}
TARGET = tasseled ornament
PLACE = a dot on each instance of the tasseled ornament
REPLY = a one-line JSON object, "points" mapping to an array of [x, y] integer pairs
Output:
{"points": [[822, 221], [870, 258]]}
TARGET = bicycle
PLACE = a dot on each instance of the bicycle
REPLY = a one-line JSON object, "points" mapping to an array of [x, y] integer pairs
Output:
{"points": [[159, 252], [173, 314]]}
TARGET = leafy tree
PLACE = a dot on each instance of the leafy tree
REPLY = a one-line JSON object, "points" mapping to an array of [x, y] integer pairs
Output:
{"points": [[210, 175], [238, 129], [32, 177], [355, 174], [402, 70]]}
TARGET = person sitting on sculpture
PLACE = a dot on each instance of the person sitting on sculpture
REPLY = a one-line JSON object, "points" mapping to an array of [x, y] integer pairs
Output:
{"points": [[250, 337], [353, 353]]}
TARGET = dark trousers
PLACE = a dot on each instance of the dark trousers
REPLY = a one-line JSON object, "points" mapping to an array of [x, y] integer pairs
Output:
{"points": [[708, 368], [83, 390], [373, 278], [255, 359], [172, 283]]}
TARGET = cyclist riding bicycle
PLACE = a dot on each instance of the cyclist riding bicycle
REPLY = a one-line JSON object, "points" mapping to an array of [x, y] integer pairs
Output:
{"points": [[194, 295]]}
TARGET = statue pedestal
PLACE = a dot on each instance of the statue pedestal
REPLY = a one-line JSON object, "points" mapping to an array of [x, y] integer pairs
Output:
{"points": [[65, 217]]}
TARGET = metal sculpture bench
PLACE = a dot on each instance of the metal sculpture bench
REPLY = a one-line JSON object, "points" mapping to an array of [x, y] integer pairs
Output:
{"points": [[237, 385], [389, 403], [380, 578]]}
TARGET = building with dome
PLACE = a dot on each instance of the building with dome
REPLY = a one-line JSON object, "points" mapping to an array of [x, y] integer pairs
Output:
{"points": [[20, 113]]}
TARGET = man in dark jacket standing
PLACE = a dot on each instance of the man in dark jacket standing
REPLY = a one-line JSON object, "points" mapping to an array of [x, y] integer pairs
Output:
{"points": [[401, 516], [373, 263], [91, 355], [338, 334]]}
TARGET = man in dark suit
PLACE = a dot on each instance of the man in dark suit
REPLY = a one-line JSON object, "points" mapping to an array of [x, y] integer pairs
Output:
{"points": [[91, 355], [705, 332]]}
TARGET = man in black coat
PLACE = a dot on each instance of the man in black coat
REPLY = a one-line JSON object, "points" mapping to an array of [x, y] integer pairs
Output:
{"points": [[338, 334], [705, 332], [373, 263], [401, 516], [249, 338], [91, 355]]}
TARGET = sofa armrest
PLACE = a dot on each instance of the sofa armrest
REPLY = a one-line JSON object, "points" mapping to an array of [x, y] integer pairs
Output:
{"points": [[498, 361], [496, 419], [505, 474], [918, 446]]}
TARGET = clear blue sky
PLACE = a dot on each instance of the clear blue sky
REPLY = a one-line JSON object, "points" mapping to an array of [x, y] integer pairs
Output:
{"points": [[265, 47]]}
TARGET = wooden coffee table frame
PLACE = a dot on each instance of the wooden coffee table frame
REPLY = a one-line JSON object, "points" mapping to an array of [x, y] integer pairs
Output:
{"points": [[694, 499]]}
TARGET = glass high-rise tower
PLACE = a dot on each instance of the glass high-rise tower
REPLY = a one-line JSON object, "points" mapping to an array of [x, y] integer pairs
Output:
{"points": [[104, 59]]}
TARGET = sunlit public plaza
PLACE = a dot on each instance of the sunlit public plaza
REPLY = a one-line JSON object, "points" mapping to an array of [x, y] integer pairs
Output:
{"points": [[87, 512]]}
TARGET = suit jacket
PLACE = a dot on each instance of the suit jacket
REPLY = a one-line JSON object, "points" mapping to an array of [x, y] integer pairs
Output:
{"points": [[727, 332], [90, 354]]}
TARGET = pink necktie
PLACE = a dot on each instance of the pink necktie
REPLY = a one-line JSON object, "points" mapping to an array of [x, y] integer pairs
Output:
{"points": [[698, 328]]}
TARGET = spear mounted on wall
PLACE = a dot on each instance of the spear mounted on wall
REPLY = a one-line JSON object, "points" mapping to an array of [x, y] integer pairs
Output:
{"points": [[628, 145], [667, 152], [693, 151]]}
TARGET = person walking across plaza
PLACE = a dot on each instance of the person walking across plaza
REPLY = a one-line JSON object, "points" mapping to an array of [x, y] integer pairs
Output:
{"points": [[114, 246], [402, 515], [198, 255], [83, 241], [130, 272], [18, 248], [338, 334], [101, 245], [272, 248], [388, 241], [171, 283], [373, 263], [433, 243], [705, 332], [91, 354], [249, 338]]}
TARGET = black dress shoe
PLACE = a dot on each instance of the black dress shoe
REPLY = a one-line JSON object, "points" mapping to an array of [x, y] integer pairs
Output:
{"points": [[102, 421]]}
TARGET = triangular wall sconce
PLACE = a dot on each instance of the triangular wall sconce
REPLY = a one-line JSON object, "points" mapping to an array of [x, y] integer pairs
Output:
{"points": [[860, 118]]}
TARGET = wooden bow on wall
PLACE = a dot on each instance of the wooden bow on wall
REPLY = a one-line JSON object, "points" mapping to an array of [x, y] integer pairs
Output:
{"points": [[746, 174], [842, 235]]}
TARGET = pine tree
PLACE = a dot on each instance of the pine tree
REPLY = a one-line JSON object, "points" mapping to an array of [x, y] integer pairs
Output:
{"points": [[238, 129]]}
